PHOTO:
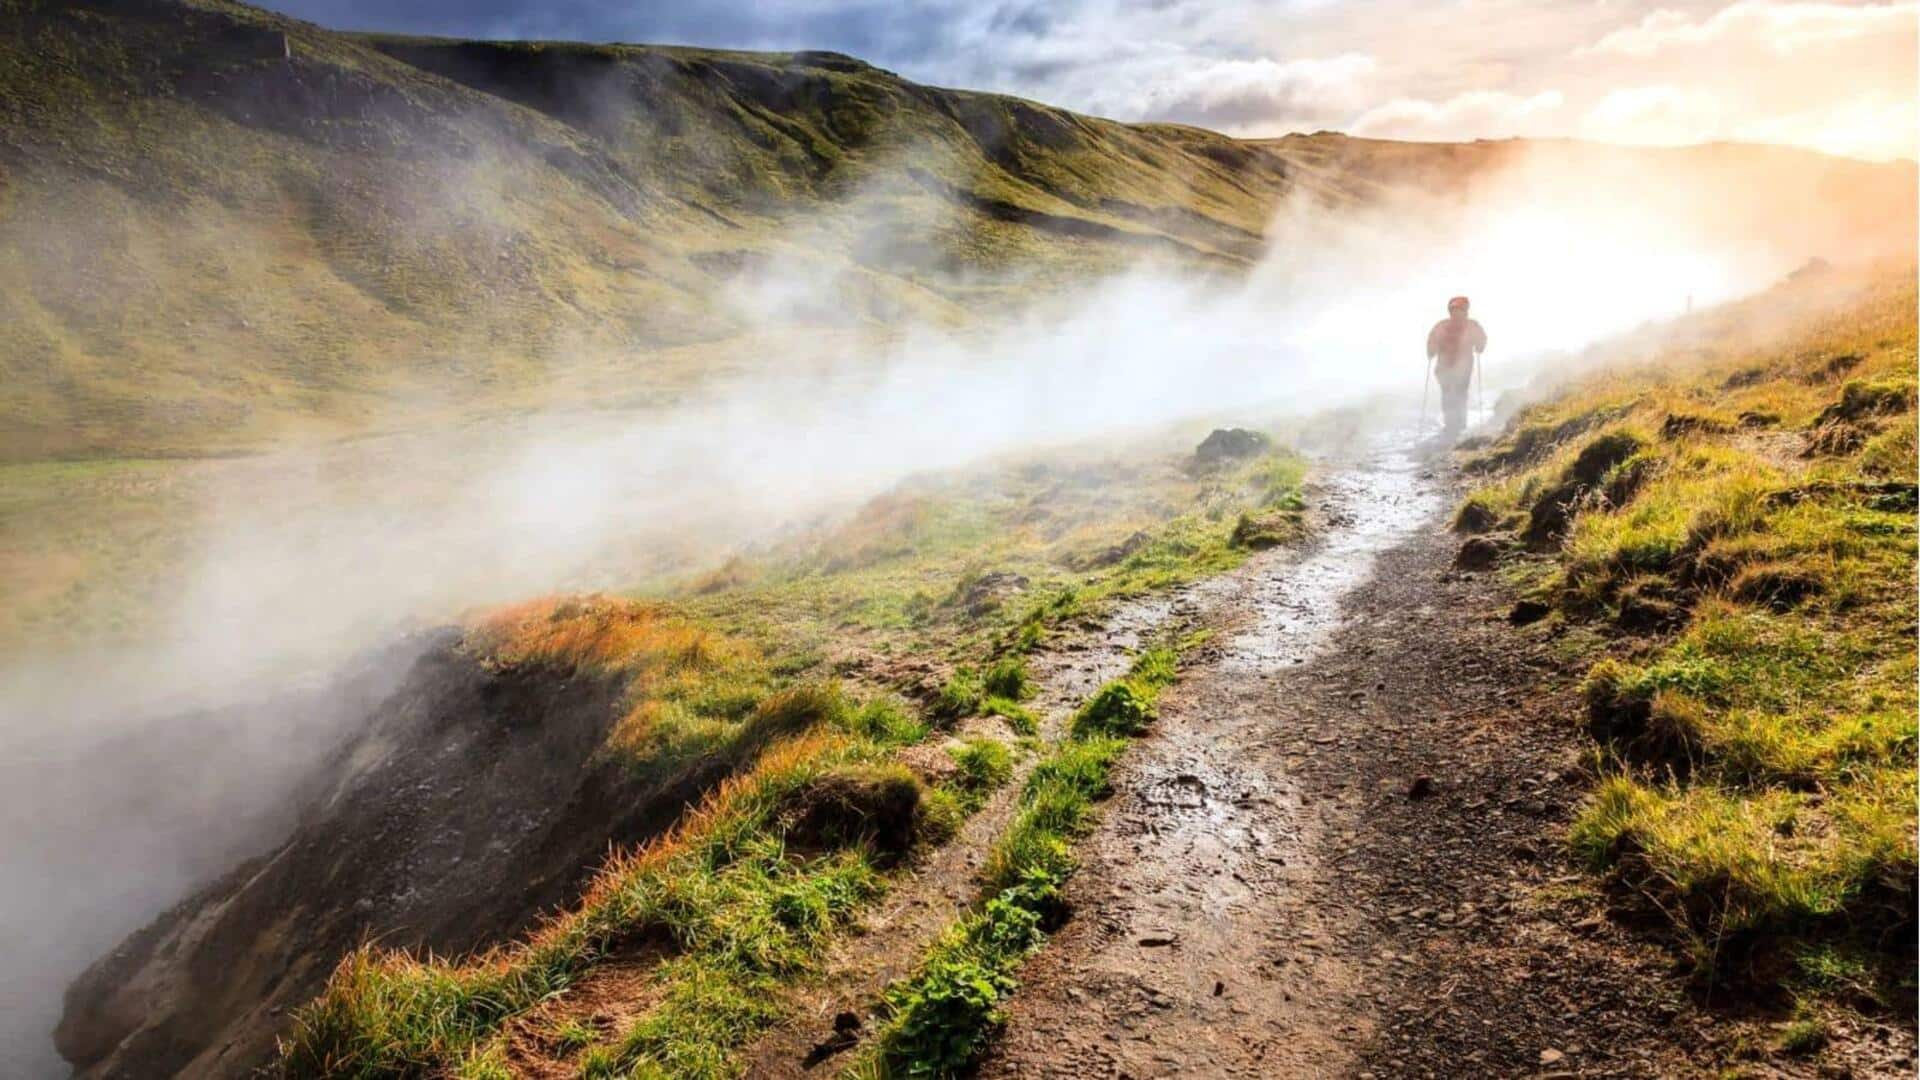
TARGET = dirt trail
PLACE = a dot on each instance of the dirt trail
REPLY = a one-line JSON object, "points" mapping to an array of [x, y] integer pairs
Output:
{"points": [[1340, 852], [1337, 855]]}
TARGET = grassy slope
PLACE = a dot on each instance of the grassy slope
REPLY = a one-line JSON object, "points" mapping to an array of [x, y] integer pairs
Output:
{"points": [[205, 242], [874, 605], [220, 228], [208, 245], [1738, 571]]}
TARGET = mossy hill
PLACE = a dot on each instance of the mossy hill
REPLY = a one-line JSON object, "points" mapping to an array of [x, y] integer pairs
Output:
{"points": [[221, 228]]}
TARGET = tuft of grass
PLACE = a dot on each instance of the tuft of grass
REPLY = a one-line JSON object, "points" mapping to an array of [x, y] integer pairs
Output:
{"points": [[1008, 679], [888, 721], [984, 765], [574, 1035], [1278, 478], [1805, 1034], [1128, 706], [941, 1019], [961, 695], [1257, 533], [1020, 718]]}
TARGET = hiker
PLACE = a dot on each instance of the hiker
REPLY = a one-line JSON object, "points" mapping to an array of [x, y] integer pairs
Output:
{"points": [[1454, 346]]}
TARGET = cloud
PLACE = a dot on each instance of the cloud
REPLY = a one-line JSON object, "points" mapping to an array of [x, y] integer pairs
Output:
{"points": [[1869, 125], [1782, 28], [1234, 95], [1819, 73], [1876, 126], [1657, 113], [1474, 114], [1829, 76]]}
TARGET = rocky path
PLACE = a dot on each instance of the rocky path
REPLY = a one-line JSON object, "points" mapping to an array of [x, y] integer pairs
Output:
{"points": [[1338, 855]]}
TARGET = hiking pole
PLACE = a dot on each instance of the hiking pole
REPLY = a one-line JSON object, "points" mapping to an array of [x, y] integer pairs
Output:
{"points": [[1479, 388], [1426, 387]]}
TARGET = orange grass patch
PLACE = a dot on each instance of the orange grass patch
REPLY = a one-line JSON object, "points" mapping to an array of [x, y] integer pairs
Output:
{"points": [[601, 633]]}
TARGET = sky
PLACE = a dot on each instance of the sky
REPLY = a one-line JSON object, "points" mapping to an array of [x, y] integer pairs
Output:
{"points": [[1838, 77]]}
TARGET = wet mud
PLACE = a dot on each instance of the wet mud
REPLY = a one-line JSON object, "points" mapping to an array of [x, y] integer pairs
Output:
{"points": [[1196, 944]]}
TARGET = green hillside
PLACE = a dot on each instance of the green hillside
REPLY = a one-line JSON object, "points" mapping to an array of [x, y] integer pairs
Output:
{"points": [[218, 225], [223, 231], [1718, 530]]}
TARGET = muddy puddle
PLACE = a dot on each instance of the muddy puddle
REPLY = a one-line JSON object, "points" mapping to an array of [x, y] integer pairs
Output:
{"points": [[1371, 508]]}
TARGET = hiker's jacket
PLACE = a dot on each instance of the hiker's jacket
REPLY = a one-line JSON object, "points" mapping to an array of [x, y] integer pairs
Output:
{"points": [[1452, 343]]}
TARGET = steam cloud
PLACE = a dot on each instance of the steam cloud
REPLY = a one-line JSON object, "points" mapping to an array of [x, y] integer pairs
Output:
{"points": [[307, 560]]}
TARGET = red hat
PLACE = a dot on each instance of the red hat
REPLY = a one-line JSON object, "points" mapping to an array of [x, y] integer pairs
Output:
{"points": [[1458, 301]]}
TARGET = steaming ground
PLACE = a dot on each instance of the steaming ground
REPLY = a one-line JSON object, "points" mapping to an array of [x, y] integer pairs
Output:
{"points": [[133, 775], [135, 772]]}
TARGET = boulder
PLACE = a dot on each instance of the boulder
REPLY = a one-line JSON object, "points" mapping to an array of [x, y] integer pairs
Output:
{"points": [[1228, 444]]}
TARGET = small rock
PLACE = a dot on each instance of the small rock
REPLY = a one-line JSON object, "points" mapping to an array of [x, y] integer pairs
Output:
{"points": [[1475, 517], [1550, 1056], [1528, 612], [1478, 553]]}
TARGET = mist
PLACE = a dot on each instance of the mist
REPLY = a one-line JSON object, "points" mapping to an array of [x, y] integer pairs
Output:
{"points": [[313, 562]]}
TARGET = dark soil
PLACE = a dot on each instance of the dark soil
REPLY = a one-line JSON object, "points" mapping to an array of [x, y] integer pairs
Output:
{"points": [[468, 804], [852, 806]]}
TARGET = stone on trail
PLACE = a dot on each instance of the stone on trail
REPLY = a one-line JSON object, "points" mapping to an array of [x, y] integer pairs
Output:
{"points": [[1528, 612], [1478, 553]]}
